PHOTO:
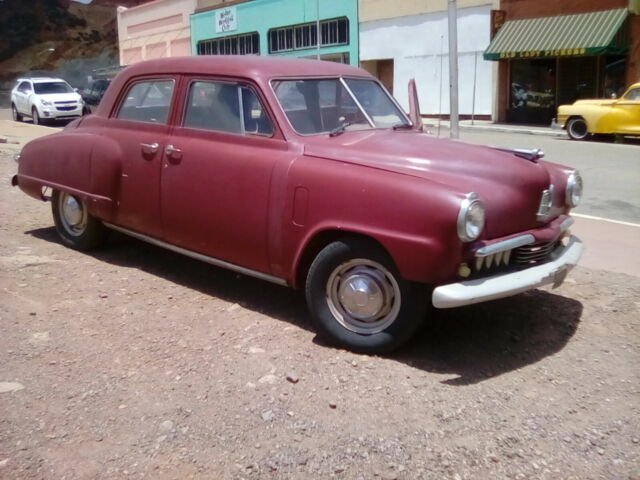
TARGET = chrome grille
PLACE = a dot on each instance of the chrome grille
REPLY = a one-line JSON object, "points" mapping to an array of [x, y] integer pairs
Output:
{"points": [[533, 254]]}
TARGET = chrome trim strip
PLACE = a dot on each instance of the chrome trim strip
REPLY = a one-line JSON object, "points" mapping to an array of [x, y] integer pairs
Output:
{"points": [[566, 223], [199, 256], [357, 102], [505, 285], [504, 245]]}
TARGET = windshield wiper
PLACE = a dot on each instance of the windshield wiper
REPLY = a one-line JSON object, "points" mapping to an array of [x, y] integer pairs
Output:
{"points": [[339, 129], [402, 126]]}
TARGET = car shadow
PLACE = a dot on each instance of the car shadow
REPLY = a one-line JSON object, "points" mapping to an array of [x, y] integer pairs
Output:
{"points": [[486, 340], [475, 343]]}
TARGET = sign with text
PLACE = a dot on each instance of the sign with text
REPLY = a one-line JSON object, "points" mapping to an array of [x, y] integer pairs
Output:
{"points": [[226, 20]]}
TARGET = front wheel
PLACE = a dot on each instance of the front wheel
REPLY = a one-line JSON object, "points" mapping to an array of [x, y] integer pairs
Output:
{"points": [[35, 116], [577, 129], [358, 300], [76, 227]]}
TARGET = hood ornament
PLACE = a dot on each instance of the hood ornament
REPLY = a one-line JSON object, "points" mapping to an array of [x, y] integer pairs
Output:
{"points": [[531, 154]]}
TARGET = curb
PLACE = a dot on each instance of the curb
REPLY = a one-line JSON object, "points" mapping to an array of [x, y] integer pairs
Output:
{"points": [[527, 131]]}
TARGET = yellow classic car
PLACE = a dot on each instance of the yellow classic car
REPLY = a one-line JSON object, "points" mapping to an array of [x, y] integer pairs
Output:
{"points": [[585, 118]]}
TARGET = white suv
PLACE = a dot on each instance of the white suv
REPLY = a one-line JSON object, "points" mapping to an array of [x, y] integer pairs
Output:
{"points": [[45, 99]]}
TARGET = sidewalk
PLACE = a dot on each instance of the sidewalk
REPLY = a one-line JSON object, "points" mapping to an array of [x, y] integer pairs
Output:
{"points": [[487, 125], [15, 134]]}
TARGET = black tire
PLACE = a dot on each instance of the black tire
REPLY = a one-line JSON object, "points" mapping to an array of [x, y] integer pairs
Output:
{"points": [[35, 117], [577, 129], [389, 315], [75, 226], [14, 111]]}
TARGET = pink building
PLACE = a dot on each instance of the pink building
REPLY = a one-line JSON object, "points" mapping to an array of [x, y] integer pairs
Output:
{"points": [[154, 30]]}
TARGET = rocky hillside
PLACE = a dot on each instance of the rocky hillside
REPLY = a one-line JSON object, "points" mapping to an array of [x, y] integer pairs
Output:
{"points": [[60, 37]]}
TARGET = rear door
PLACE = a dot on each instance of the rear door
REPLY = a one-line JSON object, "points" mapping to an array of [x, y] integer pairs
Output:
{"points": [[217, 173], [140, 126]]}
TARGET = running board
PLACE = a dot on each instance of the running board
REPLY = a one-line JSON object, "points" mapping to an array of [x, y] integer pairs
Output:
{"points": [[199, 256]]}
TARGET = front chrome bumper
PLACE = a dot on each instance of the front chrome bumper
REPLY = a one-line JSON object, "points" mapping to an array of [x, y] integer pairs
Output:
{"points": [[505, 285]]}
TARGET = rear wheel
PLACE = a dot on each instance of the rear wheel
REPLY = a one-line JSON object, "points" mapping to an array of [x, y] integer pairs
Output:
{"points": [[14, 111], [577, 129], [75, 226], [358, 300]]}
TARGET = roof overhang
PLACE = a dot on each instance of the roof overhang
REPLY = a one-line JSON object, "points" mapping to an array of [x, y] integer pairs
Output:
{"points": [[593, 33]]}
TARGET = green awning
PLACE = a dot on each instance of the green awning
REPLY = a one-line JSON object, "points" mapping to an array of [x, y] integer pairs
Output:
{"points": [[594, 33]]}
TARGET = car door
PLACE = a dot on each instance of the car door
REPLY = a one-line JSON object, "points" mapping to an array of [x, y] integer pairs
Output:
{"points": [[217, 173], [140, 126], [630, 104], [22, 97]]}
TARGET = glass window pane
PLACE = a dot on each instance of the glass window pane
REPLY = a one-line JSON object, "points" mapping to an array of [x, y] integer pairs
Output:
{"points": [[256, 121], [213, 106], [376, 103], [147, 102]]}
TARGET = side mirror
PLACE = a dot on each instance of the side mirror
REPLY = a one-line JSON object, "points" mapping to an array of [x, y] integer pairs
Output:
{"points": [[414, 106], [76, 90]]}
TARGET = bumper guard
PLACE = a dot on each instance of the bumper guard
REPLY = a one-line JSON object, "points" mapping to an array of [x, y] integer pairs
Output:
{"points": [[505, 285]]}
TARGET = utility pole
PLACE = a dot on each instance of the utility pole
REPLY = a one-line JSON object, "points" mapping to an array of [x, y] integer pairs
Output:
{"points": [[318, 35], [454, 131]]}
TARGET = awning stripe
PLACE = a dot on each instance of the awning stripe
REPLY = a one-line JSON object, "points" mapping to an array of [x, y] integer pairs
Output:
{"points": [[577, 34]]}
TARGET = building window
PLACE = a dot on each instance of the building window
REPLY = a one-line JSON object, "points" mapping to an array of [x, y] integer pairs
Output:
{"points": [[297, 37], [247, 44]]}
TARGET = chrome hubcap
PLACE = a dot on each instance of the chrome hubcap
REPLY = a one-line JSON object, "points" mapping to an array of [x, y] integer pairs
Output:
{"points": [[363, 296], [73, 214]]}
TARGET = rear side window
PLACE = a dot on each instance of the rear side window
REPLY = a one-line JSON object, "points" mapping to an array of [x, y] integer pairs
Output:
{"points": [[147, 102], [225, 107], [24, 87]]}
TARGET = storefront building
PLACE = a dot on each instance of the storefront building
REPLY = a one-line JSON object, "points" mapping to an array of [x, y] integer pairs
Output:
{"points": [[154, 30], [409, 39], [552, 53], [278, 27]]}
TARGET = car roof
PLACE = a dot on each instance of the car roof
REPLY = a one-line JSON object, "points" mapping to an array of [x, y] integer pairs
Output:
{"points": [[251, 66], [41, 79]]}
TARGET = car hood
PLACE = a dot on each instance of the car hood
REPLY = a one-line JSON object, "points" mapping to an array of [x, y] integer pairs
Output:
{"points": [[509, 186], [596, 101], [60, 97]]}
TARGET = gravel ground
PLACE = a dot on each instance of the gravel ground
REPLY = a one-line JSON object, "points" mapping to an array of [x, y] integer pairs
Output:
{"points": [[134, 362]]}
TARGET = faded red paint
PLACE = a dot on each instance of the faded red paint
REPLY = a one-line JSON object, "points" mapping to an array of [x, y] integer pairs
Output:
{"points": [[259, 202]]}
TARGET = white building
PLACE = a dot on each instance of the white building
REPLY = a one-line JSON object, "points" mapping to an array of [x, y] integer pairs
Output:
{"points": [[398, 43]]}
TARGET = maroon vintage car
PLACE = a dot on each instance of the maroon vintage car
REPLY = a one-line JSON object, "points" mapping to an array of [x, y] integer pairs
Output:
{"points": [[307, 174]]}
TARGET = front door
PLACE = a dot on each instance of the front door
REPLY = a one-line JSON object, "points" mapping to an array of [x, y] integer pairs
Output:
{"points": [[217, 171], [140, 126]]}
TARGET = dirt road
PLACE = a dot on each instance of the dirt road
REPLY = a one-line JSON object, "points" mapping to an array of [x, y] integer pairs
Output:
{"points": [[134, 362]]}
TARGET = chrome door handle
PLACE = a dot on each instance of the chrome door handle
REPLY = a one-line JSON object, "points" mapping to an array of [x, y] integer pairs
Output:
{"points": [[172, 152], [149, 147]]}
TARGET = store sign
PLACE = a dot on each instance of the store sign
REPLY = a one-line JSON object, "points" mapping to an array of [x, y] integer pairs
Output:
{"points": [[226, 20], [565, 52]]}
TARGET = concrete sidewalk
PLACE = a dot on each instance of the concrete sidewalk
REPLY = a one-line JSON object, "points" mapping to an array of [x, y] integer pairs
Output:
{"points": [[486, 125], [13, 135]]}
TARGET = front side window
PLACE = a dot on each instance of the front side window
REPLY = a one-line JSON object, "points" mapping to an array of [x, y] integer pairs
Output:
{"points": [[225, 107], [320, 106], [633, 94], [44, 88], [147, 101]]}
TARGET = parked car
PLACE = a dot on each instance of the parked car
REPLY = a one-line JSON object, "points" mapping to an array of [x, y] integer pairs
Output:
{"points": [[92, 95], [307, 174], [585, 118], [45, 98]]}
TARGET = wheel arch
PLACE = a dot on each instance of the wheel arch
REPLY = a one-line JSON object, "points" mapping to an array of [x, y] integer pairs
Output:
{"points": [[320, 240]]}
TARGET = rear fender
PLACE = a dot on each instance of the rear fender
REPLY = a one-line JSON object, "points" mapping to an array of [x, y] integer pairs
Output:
{"points": [[83, 164]]}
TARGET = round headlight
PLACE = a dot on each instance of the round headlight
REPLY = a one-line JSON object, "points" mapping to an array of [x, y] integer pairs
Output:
{"points": [[573, 195], [470, 218]]}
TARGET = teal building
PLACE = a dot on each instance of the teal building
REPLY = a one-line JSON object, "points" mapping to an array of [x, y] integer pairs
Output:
{"points": [[279, 27]]}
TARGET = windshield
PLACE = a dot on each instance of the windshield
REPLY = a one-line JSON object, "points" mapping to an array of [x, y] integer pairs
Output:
{"points": [[322, 106], [45, 88]]}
